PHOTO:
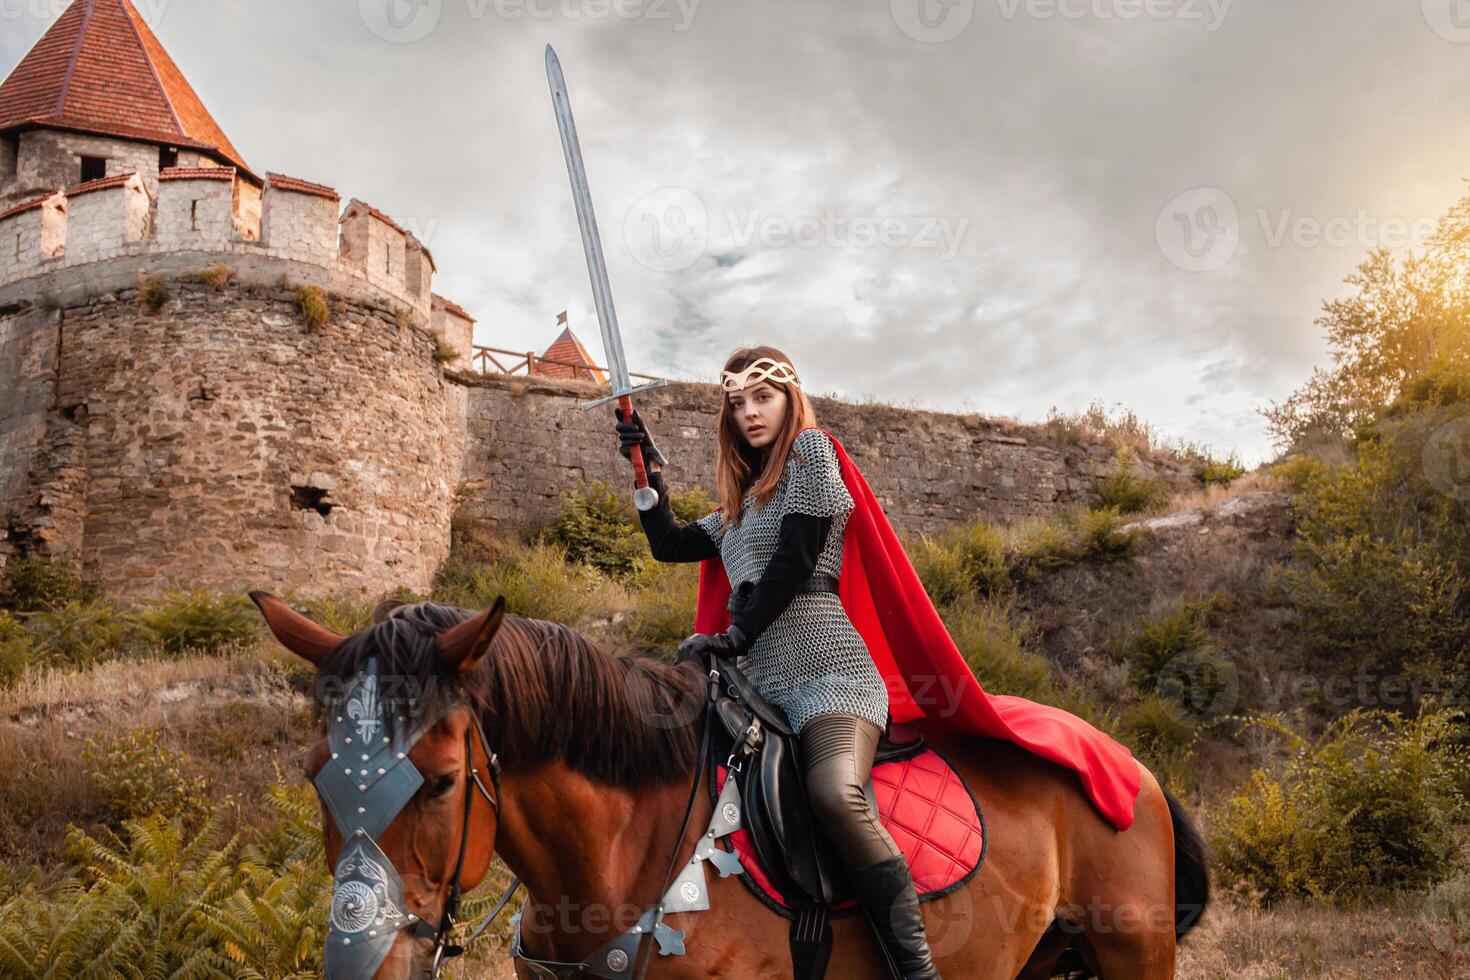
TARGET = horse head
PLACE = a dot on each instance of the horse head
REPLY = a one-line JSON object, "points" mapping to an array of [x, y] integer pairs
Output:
{"points": [[408, 783]]}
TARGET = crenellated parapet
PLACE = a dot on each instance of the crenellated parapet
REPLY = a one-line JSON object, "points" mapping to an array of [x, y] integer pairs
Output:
{"points": [[212, 211]]}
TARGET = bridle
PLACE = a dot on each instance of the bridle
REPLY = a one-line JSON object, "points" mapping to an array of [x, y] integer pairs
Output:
{"points": [[367, 782], [366, 882], [443, 949]]}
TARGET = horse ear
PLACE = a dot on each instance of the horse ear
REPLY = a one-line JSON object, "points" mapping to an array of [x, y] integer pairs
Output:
{"points": [[462, 647], [303, 637]]}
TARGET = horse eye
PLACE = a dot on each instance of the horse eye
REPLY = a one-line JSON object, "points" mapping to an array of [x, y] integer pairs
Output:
{"points": [[440, 785]]}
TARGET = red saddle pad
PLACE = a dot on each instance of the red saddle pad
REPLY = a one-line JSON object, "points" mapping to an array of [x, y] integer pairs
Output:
{"points": [[929, 812]]}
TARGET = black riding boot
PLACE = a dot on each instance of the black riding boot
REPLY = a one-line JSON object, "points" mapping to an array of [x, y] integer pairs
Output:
{"points": [[886, 892]]}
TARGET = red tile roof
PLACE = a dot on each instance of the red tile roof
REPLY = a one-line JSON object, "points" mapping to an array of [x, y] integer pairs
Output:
{"points": [[282, 182], [569, 350], [101, 183], [30, 205], [197, 173], [100, 69], [452, 307]]}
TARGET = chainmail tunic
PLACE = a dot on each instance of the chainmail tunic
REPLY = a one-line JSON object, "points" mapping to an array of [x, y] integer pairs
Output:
{"points": [[811, 659]]}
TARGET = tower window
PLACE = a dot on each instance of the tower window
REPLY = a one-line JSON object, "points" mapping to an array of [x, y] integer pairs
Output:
{"points": [[194, 215], [168, 156], [93, 168]]}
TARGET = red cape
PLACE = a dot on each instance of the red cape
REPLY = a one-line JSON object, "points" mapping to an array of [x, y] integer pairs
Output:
{"points": [[925, 673]]}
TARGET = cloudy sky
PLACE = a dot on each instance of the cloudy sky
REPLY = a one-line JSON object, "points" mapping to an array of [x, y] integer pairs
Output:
{"points": [[1000, 206]]}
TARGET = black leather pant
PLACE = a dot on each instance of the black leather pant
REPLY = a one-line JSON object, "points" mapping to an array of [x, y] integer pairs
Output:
{"points": [[836, 757]]}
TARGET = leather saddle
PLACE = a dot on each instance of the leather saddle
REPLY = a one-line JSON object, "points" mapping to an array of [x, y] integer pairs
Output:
{"points": [[763, 755]]}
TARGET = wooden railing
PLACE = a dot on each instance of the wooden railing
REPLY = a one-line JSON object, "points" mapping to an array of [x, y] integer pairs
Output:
{"points": [[486, 361]]}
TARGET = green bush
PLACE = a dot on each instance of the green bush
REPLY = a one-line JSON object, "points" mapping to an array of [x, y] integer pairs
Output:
{"points": [[17, 649], [155, 900], [202, 620], [1124, 490], [1039, 548], [38, 583], [993, 643], [1381, 577], [690, 504], [964, 559], [217, 276], [941, 569], [81, 633], [1099, 535], [596, 526], [152, 293], [1221, 472], [1300, 471], [1174, 657], [537, 581], [664, 600], [1371, 805], [313, 306], [1162, 734], [136, 776], [1159, 640]]}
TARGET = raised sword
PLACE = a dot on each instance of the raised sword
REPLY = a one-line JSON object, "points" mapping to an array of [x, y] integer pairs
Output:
{"points": [[644, 497]]}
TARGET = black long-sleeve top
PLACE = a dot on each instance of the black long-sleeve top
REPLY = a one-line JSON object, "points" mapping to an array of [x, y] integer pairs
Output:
{"points": [[798, 546]]}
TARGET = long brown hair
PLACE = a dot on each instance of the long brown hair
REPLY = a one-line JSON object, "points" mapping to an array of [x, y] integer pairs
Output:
{"points": [[741, 466]]}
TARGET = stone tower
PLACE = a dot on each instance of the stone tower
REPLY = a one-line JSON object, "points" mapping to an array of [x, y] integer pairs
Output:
{"points": [[98, 96], [171, 413]]}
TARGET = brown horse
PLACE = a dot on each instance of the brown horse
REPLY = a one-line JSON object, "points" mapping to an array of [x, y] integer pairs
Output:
{"points": [[597, 752]]}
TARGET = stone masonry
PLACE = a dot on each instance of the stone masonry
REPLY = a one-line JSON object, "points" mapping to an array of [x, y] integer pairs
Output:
{"points": [[528, 442], [219, 440]]}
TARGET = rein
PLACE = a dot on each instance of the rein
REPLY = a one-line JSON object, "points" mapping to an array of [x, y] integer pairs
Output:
{"points": [[444, 950]]}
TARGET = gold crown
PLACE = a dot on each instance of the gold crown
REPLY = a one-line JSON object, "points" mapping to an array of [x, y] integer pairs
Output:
{"points": [[757, 371]]}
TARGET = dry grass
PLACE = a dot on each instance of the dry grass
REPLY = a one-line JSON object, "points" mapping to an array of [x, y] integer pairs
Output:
{"points": [[1307, 942], [235, 720], [1215, 494]]}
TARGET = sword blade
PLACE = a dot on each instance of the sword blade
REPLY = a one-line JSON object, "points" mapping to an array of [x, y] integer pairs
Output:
{"points": [[607, 316]]}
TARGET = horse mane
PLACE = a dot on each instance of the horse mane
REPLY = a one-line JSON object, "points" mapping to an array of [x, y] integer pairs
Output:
{"points": [[544, 693]]}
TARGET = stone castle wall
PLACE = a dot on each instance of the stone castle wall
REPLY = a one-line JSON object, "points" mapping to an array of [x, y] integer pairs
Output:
{"points": [[218, 440], [528, 442]]}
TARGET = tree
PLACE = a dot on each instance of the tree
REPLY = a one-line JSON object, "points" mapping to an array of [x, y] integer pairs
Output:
{"points": [[1403, 320]]}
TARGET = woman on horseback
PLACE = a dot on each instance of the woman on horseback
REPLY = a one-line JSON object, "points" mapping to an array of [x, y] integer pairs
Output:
{"points": [[779, 535]]}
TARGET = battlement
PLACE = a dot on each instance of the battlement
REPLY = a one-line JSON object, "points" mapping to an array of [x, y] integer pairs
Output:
{"points": [[213, 210]]}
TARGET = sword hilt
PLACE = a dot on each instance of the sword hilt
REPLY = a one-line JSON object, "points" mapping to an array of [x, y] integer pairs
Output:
{"points": [[644, 496]]}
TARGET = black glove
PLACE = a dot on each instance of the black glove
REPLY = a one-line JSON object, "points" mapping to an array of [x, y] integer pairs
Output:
{"points": [[634, 433], [731, 643]]}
